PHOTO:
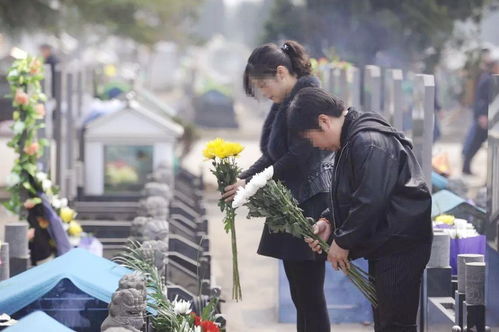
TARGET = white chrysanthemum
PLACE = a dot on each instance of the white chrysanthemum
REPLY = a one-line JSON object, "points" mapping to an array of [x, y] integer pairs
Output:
{"points": [[64, 202], [181, 307], [268, 173], [41, 176], [46, 184], [259, 180], [12, 179], [56, 202], [240, 199]]}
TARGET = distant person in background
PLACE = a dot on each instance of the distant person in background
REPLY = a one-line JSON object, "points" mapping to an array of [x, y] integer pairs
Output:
{"points": [[478, 131], [485, 59], [50, 59]]}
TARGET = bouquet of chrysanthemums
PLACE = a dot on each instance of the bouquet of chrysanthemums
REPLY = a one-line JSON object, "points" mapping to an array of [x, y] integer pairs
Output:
{"points": [[223, 157], [270, 199]]}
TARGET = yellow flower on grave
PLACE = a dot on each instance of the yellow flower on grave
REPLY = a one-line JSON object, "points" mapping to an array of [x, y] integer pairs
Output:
{"points": [[74, 229], [445, 219], [67, 214]]}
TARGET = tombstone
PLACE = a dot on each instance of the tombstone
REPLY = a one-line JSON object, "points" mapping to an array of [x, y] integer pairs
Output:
{"points": [[335, 79], [423, 122], [475, 283], [440, 250], [437, 276], [128, 305], [352, 95], [393, 109], [16, 236], [214, 109], [4, 261], [462, 260], [123, 147], [325, 73], [372, 89], [459, 295]]}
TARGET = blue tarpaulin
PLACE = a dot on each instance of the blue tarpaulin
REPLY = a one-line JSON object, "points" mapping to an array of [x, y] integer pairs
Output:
{"points": [[93, 275], [36, 322]]}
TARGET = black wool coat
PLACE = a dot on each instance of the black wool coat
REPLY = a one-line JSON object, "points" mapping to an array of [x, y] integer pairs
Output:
{"points": [[305, 170]]}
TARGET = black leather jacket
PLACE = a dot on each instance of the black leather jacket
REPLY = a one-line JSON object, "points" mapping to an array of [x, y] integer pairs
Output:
{"points": [[380, 201]]}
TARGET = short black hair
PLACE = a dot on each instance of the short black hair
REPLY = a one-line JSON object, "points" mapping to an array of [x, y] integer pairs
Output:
{"points": [[306, 107]]}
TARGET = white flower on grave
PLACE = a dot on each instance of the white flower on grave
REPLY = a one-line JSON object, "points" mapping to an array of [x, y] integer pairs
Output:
{"points": [[59, 203], [64, 202], [12, 179], [41, 176], [18, 127], [181, 307], [46, 184]]}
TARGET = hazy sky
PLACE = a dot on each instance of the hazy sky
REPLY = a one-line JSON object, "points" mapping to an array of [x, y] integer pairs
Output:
{"points": [[235, 2]]}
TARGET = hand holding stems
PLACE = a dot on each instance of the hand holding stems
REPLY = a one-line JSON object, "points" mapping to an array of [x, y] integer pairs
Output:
{"points": [[230, 191], [336, 255]]}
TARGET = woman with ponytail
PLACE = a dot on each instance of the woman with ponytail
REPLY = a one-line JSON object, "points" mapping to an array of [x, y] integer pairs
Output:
{"points": [[278, 73]]}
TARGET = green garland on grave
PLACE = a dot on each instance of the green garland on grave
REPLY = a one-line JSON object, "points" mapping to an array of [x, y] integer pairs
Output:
{"points": [[24, 77], [26, 181]]}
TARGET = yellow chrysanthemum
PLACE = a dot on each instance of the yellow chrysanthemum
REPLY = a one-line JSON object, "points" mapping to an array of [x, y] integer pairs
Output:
{"points": [[67, 214], [446, 219], [235, 148], [221, 149], [74, 229]]}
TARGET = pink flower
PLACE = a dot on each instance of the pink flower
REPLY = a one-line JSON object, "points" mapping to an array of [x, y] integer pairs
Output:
{"points": [[35, 67], [28, 204], [21, 97], [40, 111], [32, 148]]}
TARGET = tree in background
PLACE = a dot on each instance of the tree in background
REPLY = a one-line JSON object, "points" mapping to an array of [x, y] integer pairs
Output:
{"points": [[392, 32], [144, 21]]}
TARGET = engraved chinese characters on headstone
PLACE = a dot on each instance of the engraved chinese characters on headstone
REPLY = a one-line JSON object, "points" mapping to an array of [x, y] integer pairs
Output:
{"points": [[475, 283], [440, 250], [462, 259]]}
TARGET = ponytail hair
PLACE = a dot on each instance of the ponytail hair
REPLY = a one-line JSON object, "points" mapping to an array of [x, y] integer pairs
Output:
{"points": [[265, 59]]}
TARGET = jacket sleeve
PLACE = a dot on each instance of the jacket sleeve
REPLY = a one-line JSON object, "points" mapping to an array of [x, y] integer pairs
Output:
{"points": [[374, 178], [258, 166], [481, 106]]}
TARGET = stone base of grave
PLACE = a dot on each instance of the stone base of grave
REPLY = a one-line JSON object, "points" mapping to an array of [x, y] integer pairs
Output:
{"points": [[473, 317], [19, 265]]}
